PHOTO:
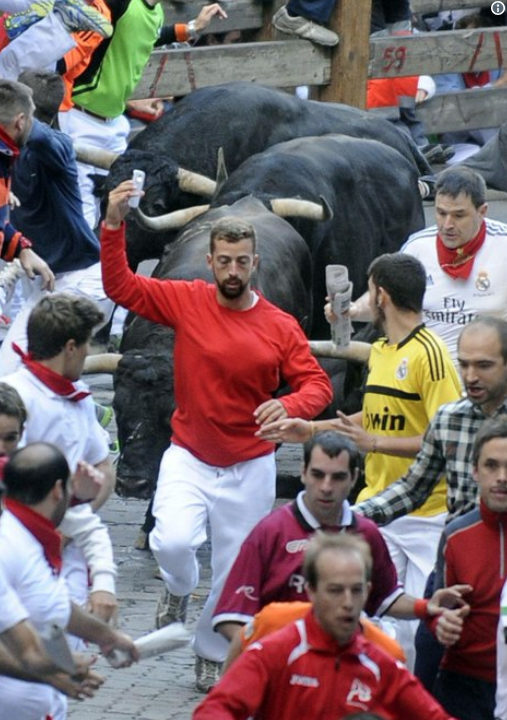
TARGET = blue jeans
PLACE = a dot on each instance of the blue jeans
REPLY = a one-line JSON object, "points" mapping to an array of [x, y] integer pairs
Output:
{"points": [[465, 697]]}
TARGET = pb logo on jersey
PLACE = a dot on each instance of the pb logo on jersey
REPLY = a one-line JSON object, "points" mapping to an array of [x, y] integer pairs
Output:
{"points": [[402, 370], [359, 694], [482, 281]]}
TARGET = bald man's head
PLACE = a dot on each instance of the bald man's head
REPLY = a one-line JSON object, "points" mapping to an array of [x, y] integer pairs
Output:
{"points": [[33, 471]]}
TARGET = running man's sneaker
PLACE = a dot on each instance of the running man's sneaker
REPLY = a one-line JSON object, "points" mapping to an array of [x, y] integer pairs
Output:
{"points": [[207, 673], [19, 22], [77, 15], [170, 608]]}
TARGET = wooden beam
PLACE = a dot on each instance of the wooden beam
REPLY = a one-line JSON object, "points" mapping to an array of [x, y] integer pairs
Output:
{"points": [[453, 51], [466, 110], [241, 14], [431, 6], [349, 60], [178, 72]]}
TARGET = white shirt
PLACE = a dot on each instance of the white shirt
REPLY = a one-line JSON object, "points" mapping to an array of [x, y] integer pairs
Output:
{"points": [[451, 303], [74, 429], [13, 611], [46, 599], [71, 426]]}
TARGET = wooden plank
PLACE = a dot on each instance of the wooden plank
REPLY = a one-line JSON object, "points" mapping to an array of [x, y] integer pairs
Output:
{"points": [[349, 60], [452, 51], [431, 6], [241, 14], [467, 110], [178, 72]]}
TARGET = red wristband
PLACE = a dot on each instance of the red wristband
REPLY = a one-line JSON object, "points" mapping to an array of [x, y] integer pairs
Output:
{"points": [[421, 608]]}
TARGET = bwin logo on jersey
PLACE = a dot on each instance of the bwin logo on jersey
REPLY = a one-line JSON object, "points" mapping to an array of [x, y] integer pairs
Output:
{"points": [[482, 281], [402, 370]]}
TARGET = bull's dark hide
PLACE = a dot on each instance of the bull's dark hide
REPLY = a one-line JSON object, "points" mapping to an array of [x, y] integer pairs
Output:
{"points": [[491, 161], [371, 189], [243, 119]]}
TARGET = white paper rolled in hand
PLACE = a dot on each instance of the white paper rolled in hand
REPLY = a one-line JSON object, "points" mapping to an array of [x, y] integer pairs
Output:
{"points": [[339, 289], [158, 642]]}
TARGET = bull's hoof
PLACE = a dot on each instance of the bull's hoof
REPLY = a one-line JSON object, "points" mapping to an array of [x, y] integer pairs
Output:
{"points": [[141, 542]]}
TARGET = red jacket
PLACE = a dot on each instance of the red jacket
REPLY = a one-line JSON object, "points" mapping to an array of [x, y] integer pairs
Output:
{"points": [[473, 551], [301, 672]]}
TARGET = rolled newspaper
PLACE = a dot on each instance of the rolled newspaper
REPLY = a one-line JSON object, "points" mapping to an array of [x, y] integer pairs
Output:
{"points": [[158, 642], [339, 290]]}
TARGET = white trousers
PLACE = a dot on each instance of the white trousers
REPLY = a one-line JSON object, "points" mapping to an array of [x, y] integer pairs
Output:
{"points": [[86, 282], [190, 493], [109, 135], [37, 48], [21, 700], [413, 544]]}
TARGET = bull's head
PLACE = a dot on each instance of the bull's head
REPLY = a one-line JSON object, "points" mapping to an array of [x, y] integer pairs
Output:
{"points": [[143, 404]]}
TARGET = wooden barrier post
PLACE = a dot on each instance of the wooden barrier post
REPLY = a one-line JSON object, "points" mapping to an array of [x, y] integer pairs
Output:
{"points": [[349, 62]]}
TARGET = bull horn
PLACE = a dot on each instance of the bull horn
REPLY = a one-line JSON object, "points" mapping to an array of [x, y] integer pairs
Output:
{"points": [[355, 350], [173, 220], [95, 156], [295, 207], [196, 184], [102, 363]]}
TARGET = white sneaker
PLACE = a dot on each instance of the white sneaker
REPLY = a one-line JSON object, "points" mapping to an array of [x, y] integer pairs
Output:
{"points": [[303, 28], [207, 673]]}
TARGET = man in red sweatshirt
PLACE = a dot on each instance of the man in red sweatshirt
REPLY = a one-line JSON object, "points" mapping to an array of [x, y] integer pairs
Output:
{"points": [[321, 666], [232, 348]]}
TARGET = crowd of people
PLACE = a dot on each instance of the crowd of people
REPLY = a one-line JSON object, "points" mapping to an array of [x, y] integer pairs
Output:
{"points": [[388, 608]]}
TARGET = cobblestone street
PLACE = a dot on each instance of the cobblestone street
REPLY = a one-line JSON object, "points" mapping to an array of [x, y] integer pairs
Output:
{"points": [[159, 688]]}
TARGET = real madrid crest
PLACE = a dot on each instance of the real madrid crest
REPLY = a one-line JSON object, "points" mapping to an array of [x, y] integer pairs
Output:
{"points": [[402, 370], [482, 281]]}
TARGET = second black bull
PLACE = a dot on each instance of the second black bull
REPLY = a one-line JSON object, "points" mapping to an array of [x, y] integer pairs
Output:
{"points": [[372, 191], [242, 119]]}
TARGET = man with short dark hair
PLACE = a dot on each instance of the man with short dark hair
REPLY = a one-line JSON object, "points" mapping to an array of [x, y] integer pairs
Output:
{"points": [[61, 410], [410, 375], [463, 256], [232, 349], [448, 441], [268, 567], [16, 115], [321, 666], [473, 551], [37, 495], [45, 182]]}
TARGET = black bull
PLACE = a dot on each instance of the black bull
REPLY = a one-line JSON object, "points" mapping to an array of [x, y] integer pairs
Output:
{"points": [[371, 189], [242, 119]]}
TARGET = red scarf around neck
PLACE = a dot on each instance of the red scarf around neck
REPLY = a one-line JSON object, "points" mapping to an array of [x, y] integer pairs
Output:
{"points": [[53, 380], [42, 529], [458, 263]]}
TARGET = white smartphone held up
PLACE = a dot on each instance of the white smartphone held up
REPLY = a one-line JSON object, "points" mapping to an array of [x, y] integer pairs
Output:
{"points": [[138, 178]]}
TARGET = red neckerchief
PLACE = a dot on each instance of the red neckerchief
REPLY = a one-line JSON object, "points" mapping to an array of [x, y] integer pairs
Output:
{"points": [[53, 380], [476, 79], [458, 263], [11, 148], [42, 529]]}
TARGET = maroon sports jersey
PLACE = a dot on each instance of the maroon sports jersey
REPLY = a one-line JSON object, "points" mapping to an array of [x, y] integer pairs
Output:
{"points": [[269, 564]]}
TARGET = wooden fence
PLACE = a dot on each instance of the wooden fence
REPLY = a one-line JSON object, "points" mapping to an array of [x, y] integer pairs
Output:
{"points": [[340, 74]]}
